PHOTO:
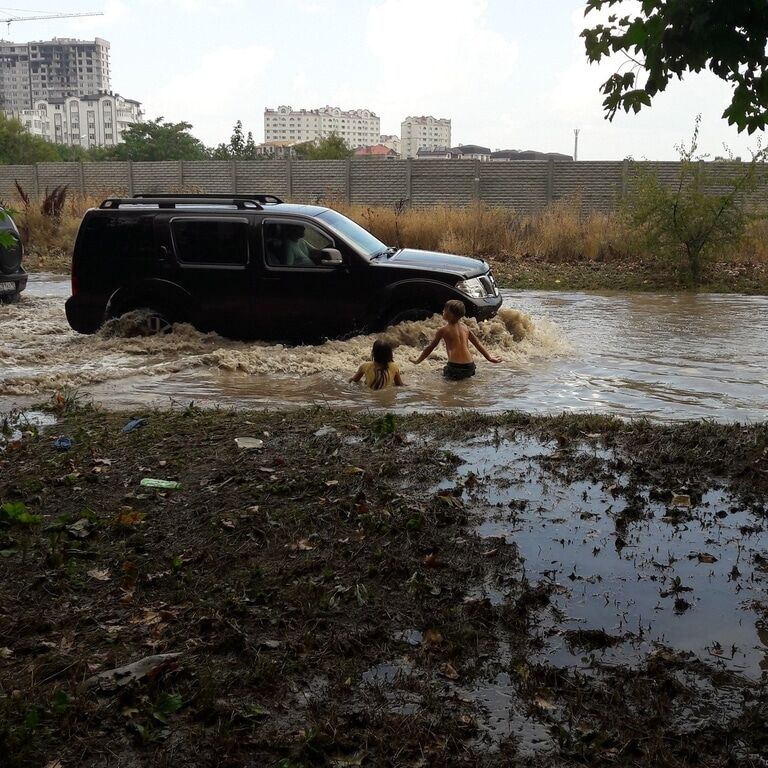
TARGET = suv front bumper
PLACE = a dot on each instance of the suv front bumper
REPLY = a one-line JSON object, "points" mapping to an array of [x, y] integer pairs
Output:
{"points": [[13, 284], [482, 309]]}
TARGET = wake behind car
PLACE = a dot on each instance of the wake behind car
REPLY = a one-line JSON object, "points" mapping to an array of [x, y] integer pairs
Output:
{"points": [[252, 266], [13, 277]]}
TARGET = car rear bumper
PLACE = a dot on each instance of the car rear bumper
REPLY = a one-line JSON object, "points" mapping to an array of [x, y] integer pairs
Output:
{"points": [[84, 316], [12, 284]]}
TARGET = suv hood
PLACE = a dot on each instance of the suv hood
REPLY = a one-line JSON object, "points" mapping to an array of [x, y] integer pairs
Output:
{"points": [[461, 266]]}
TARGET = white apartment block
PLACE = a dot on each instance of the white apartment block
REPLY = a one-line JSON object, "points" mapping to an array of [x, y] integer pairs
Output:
{"points": [[423, 133], [358, 127], [97, 120], [52, 69]]}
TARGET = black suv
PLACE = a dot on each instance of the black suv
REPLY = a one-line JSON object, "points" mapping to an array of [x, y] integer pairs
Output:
{"points": [[252, 266], [13, 278]]}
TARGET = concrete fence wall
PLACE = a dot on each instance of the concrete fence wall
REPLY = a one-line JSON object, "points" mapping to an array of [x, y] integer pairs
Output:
{"points": [[526, 185]]}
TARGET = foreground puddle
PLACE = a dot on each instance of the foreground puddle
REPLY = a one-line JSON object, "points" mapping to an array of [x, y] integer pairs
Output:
{"points": [[623, 587]]}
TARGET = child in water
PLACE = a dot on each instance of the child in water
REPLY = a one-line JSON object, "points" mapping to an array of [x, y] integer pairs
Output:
{"points": [[381, 371], [456, 337]]}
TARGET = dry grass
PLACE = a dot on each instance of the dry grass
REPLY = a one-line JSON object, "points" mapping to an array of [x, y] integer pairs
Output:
{"points": [[561, 232], [562, 236]]}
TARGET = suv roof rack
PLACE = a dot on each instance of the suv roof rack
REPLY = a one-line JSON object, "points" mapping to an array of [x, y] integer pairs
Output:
{"points": [[256, 196], [174, 201]]}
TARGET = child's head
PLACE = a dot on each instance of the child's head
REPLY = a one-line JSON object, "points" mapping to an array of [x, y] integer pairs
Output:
{"points": [[381, 352], [454, 310]]}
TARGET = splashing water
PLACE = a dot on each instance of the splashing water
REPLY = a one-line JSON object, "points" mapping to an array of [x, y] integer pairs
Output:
{"points": [[41, 353]]}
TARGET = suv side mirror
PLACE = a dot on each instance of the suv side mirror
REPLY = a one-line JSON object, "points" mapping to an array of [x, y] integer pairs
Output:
{"points": [[331, 256]]}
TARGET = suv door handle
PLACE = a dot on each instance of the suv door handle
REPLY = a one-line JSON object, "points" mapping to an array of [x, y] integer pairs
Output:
{"points": [[163, 253]]}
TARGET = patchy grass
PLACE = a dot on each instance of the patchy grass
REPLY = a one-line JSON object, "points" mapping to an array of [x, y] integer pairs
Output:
{"points": [[317, 591]]}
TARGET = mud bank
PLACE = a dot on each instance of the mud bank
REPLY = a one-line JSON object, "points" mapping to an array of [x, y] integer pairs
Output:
{"points": [[364, 590]]}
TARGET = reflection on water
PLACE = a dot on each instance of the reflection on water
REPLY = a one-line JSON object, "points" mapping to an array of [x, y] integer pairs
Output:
{"points": [[665, 356]]}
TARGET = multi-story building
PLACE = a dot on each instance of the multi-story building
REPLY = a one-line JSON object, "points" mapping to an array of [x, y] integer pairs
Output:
{"points": [[391, 141], [52, 69], [358, 127], [423, 132], [96, 120]]}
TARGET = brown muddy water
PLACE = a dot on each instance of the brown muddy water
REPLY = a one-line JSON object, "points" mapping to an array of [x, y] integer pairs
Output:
{"points": [[664, 356]]}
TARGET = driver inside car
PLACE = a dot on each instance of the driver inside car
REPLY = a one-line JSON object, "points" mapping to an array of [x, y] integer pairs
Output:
{"points": [[297, 252]]}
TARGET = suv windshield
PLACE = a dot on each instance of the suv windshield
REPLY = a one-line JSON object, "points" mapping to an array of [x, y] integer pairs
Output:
{"points": [[365, 242]]}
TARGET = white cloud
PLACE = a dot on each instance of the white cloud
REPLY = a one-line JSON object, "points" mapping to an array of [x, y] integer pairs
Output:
{"points": [[225, 85], [436, 57], [114, 12]]}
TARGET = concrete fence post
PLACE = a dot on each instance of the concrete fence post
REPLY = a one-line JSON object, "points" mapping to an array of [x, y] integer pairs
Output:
{"points": [[37, 180], [82, 179], [289, 178], [233, 175], [348, 183], [180, 178], [130, 179], [550, 180], [476, 182], [624, 177], [409, 182]]}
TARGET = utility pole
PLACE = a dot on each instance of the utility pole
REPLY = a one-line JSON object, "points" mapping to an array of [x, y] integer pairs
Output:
{"points": [[575, 143]]}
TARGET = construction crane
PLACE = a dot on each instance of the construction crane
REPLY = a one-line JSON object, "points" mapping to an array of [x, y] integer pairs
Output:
{"points": [[9, 19]]}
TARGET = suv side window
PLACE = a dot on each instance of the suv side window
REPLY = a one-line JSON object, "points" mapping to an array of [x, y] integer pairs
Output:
{"points": [[212, 242], [293, 244]]}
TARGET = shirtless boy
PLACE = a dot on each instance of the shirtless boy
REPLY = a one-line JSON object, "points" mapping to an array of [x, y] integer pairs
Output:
{"points": [[457, 338]]}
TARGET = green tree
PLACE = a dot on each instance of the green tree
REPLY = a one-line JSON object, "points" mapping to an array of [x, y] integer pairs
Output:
{"points": [[238, 148], [666, 39], [17, 147], [702, 216], [157, 140], [332, 147]]}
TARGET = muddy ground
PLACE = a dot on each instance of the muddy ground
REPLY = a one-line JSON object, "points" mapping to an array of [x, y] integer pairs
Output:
{"points": [[362, 591]]}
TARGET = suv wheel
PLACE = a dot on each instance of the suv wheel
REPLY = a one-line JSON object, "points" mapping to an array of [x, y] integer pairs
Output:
{"points": [[143, 321], [405, 315]]}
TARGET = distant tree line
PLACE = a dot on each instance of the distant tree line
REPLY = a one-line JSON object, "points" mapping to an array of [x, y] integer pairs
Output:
{"points": [[152, 140]]}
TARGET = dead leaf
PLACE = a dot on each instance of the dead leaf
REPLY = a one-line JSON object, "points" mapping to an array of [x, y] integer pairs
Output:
{"points": [[150, 666], [5, 653], [330, 483], [430, 561], [703, 557], [681, 501], [490, 552], [433, 637], [54, 764], [227, 523], [100, 575], [302, 545], [127, 517], [449, 671]]}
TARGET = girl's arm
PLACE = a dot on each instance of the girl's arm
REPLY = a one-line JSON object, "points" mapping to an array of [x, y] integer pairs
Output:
{"points": [[359, 375], [482, 350], [427, 351], [398, 380]]}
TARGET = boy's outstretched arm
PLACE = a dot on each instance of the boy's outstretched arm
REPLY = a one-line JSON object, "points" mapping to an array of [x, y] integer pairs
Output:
{"points": [[482, 350], [357, 376], [427, 351]]}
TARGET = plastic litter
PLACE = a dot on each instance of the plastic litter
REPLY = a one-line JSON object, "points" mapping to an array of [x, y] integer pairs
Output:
{"points": [[152, 482], [325, 431], [133, 424], [62, 443], [248, 443]]}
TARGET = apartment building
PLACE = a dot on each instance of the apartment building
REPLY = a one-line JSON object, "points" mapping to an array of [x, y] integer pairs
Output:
{"points": [[52, 69], [425, 132], [95, 120], [358, 127]]}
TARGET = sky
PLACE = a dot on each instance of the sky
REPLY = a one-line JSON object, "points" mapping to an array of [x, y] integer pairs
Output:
{"points": [[510, 74]]}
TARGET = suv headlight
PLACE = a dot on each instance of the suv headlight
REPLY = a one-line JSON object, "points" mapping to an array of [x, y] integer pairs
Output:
{"points": [[473, 287]]}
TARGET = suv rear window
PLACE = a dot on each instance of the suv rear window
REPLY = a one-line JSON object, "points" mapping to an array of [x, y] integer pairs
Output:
{"points": [[119, 237], [218, 242]]}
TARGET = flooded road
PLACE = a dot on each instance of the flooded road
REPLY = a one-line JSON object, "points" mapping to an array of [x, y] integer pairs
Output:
{"points": [[664, 356]]}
